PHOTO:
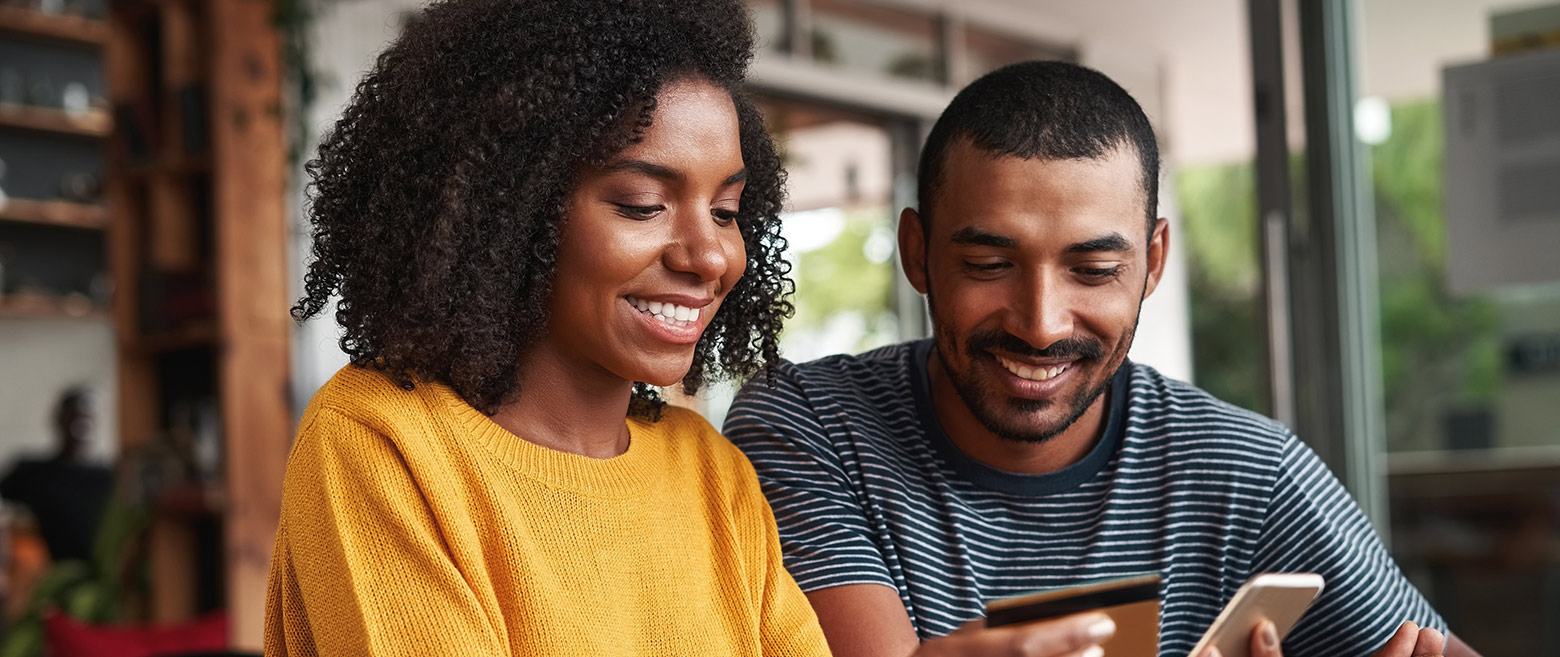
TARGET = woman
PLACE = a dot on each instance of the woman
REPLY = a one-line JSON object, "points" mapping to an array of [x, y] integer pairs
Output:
{"points": [[532, 212]]}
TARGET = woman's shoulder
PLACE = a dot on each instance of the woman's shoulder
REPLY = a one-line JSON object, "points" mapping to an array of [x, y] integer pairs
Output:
{"points": [[687, 435], [370, 396], [369, 404]]}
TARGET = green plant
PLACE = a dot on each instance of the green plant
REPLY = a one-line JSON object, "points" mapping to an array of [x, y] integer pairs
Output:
{"points": [[89, 591], [1438, 352]]}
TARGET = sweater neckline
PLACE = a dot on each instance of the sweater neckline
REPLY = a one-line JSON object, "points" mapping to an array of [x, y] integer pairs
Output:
{"points": [[620, 476]]}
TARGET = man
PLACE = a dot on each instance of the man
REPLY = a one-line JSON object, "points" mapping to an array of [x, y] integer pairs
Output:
{"points": [[1018, 449], [66, 493]]}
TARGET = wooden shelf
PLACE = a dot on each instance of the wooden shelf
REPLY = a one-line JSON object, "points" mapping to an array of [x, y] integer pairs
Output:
{"points": [[94, 123], [55, 213], [72, 29], [38, 306]]}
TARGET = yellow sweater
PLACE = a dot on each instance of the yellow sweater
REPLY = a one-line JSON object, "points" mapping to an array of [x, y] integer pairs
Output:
{"points": [[413, 525]]}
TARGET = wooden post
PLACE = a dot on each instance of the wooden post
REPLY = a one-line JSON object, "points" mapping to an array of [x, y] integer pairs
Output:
{"points": [[249, 187]]}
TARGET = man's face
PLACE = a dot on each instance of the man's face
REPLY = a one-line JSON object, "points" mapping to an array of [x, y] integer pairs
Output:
{"points": [[1035, 271]]}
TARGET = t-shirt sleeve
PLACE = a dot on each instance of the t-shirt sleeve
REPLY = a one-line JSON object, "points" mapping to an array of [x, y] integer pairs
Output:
{"points": [[825, 531], [360, 567], [1313, 525]]}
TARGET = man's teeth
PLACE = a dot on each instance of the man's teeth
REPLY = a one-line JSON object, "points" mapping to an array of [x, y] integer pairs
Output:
{"points": [[670, 313], [1023, 371]]}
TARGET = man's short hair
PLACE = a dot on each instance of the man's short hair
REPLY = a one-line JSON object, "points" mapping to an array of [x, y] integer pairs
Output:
{"points": [[1042, 110]]}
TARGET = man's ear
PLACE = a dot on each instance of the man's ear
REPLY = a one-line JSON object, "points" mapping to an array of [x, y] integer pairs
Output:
{"points": [[1158, 249], [912, 248]]}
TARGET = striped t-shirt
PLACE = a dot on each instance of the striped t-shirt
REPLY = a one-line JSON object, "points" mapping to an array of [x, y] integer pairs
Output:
{"points": [[868, 489]]}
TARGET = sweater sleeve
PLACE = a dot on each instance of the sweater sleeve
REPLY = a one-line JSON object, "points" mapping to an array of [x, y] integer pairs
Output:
{"points": [[360, 566], [788, 627]]}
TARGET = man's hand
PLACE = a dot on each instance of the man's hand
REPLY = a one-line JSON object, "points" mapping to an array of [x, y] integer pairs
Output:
{"points": [[1411, 641], [1264, 642], [1073, 636]]}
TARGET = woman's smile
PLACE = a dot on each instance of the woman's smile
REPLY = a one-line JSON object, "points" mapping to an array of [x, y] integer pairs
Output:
{"points": [[679, 319]]}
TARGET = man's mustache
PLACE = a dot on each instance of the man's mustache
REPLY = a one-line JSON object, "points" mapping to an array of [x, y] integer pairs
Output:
{"points": [[1064, 349]]}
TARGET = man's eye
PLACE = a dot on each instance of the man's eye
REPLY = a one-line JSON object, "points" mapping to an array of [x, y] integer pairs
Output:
{"points": [[1100, 274], [984, 266], [639, 211]]}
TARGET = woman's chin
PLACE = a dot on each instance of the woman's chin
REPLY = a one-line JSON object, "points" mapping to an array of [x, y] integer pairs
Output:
{"points": [[666, 376]]}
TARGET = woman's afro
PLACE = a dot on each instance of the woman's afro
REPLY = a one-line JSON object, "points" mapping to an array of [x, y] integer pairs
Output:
{"points": [[437, 199]]}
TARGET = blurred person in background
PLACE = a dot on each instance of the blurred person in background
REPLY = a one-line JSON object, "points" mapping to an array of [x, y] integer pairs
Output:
{"points": [[65, 492]]}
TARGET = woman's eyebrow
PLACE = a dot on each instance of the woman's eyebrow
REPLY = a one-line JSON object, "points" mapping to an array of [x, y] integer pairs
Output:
{"points": [[667, 173], [648, 168]]}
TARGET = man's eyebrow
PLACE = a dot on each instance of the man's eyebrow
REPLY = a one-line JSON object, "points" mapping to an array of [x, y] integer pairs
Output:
{"points": [[1111, 242], [971, 236]]}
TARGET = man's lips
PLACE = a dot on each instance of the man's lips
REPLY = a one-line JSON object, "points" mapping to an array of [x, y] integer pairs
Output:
{"points": [[1042, 370]]}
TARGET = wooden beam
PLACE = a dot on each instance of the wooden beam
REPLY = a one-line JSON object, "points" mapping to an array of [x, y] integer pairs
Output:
{"points": [[127, 73], [249, 183]]}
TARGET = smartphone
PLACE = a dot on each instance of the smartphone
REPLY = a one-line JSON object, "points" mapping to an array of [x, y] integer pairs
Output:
{"points": [[1132, 602], [1278, 597]]}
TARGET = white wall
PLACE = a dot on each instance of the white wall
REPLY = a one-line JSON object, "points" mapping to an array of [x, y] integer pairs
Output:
{"points": [[39, 359], [347, 36]]}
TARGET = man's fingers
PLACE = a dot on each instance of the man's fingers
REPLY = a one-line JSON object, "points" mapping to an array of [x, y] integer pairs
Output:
{"points": [[1072, 636], [1264, 640], [1430, 643], [1065, 636], [1402, 642]]}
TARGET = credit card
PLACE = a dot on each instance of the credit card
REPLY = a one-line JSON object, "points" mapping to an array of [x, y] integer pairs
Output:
{"points": [[1132, 602]]}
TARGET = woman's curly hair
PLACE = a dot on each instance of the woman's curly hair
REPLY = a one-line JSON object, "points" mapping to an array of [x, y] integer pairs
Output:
{"points": [[438, 198]]}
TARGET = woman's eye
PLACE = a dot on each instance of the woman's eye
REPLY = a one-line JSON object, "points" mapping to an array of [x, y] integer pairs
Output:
{"points": [[640, 211], [724, 217]]}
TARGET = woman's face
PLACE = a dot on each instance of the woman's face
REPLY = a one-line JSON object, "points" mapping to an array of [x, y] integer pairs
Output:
{"points": [[650, 243]]}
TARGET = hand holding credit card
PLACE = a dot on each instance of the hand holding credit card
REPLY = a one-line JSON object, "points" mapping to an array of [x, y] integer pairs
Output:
{"points": [[1132, 602]]}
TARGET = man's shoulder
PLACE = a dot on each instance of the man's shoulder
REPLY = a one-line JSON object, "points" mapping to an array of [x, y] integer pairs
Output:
{"points": [[825, 400], [850, 375], [1174, 411], [889, 359]]}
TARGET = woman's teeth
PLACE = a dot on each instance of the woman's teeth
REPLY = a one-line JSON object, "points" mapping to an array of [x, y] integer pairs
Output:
{"points": [[670, 313], [1023, 371]]}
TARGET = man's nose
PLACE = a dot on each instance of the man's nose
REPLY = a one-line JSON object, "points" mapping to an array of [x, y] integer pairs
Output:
{"points": [[1043, 314]]}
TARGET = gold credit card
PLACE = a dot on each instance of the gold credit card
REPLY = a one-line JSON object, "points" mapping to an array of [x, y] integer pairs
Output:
{"points": [[1132, 602]]}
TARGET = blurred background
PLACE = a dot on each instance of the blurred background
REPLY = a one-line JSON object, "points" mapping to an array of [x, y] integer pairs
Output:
{"points": [[1364, 198]]}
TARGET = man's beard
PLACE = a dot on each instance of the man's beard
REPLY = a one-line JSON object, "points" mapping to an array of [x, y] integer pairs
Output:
{"points": [[987, 405]]}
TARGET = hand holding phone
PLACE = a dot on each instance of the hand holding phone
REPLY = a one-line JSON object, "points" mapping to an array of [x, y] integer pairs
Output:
{"points": [[1281, 598]]}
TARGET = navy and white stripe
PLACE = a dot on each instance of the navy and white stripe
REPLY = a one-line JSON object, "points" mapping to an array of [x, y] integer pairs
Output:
{"points": [[867, 489]]}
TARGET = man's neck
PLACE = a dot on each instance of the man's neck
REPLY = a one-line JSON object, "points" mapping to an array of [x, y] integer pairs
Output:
{"points": [[981, 444]]}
